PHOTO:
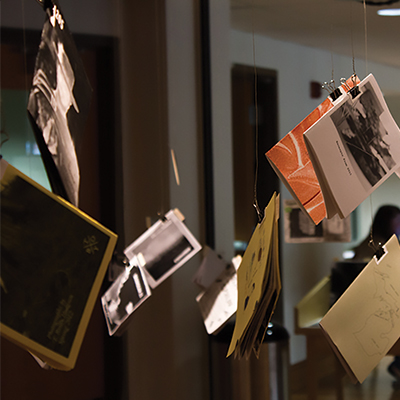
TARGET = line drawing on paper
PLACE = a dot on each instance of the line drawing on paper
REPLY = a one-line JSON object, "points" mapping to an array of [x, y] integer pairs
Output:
{"points": [[378, 328]]}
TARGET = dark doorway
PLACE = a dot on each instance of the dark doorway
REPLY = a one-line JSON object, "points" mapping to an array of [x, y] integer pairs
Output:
{"points": [[244, 144], [100, 197]]}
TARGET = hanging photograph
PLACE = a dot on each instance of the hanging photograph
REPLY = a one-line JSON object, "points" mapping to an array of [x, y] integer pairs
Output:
{"points": [[354, 148], [164, 247], [123, 297], [58, 105]]}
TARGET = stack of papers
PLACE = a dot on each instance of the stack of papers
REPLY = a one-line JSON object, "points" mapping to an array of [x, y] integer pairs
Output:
{"points": [[259, 285]]}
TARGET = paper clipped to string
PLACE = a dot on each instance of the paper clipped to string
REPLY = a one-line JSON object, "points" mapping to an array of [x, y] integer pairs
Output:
{"points": [[210, 268], [218, 303], [58, 105], [291, 161], [124, 296], [163, 248], [258, 285], [364, 323], [354, 148], [53, 261]]}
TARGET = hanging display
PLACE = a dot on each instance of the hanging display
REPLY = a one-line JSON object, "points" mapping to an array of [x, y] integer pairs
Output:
{"points": [[53, 261], [364, 323], [259, 285], [58, 104]]}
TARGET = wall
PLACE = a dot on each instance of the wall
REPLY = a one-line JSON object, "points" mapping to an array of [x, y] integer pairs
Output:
{"points": [[303, 265], [82, 16]]}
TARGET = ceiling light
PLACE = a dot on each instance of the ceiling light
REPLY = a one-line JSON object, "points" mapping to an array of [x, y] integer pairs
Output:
{"points": [[389, 12]]}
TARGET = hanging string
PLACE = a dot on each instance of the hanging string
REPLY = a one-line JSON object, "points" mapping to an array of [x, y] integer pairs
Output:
{"points": [[255, 200], [163, 154], [25, 72], [24, 46], [352, 39], [371, 243], [365, 38]]}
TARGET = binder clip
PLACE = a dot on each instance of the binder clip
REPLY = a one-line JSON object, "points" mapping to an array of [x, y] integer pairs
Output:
{"points": [[379, 251], [119, 262], [355, 90], [260, 215], [334, 92]]}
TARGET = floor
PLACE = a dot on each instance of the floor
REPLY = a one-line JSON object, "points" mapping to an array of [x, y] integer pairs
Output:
{"points": [[379, 385]]}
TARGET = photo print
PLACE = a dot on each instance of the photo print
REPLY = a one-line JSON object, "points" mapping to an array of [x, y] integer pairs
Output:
{"points": [[58, 105], [365, 137], [124, 296], [164, 247], [354, 148]]}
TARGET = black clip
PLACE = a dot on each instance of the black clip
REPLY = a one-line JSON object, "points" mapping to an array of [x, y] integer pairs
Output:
{"points": [[162, 218], [259, 212], [379, 251], [354, 91], [334, 92], [119, 262]]}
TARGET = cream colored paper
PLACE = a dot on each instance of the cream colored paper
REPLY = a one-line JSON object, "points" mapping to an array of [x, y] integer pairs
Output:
{"points": [[364, 323], [251, 273]]}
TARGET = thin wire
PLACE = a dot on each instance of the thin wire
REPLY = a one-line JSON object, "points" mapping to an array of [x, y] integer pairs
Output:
{"points": [[255, 201], [352, 39], [371, 233], [24, 44], [333, 79], [365, 37], [163, 181], [25, 71]]}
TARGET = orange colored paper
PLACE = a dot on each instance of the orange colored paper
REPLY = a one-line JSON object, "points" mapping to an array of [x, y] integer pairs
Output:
{"points": [[291, 158]]}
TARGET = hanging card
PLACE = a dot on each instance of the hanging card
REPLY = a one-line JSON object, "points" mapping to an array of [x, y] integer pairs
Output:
{"points": [[219, 301], [291, 161], [364, 323], [124, 296], [210, 268], [58, 105], [53, 261], [256, 290], [164, 247], [354, 148]]}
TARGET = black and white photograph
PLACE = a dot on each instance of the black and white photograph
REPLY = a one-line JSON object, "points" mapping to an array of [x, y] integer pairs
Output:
{"points": [[58, 105], [364, 136], [123, 297], [354, 148], [163, 248]]}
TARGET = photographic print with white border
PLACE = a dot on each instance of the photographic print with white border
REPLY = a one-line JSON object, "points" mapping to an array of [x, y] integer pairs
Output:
{"points": [[163, 248]]}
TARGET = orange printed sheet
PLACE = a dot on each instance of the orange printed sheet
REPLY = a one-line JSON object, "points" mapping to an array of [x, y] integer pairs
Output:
{"points": [[291, 161]]}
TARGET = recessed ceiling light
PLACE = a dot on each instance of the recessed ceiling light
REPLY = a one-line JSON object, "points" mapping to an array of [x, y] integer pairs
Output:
{"points": [[389, 12]]}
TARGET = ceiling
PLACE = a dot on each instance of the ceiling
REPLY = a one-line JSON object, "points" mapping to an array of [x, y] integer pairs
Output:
{"points": [[339, 26]]}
